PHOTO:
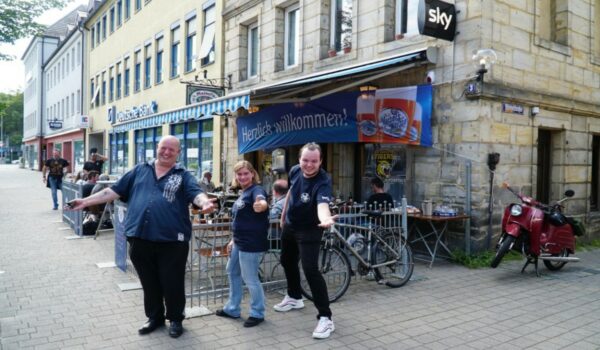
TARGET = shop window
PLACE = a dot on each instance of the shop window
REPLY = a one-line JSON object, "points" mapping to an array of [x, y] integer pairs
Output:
{"points": [[137, 71], [175, 33], [78, 155], [595, 198], [196, 144], [147, 66], [341, 24], [190, 54], [253, 47], [291, 40], [544, 165], [146, 142], [207, 50], [159, 60], [119, 145]]}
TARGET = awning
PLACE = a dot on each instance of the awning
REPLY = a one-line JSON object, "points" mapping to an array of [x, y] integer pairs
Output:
{"points": [[200, 110], [354, 75]]}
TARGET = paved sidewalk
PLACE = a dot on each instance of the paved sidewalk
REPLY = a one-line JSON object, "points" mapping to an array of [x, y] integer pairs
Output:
{"points": [[52, 296]]}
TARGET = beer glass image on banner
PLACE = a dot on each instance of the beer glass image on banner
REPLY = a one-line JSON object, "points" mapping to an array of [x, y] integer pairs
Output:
{"points": [[395, 117]]}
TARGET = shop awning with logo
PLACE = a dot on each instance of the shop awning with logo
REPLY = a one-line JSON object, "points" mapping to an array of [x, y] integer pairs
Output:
{"points": [[202, 110]]}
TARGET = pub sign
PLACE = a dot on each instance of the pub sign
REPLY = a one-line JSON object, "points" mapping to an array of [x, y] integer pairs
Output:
{"points": [[437, 19]]}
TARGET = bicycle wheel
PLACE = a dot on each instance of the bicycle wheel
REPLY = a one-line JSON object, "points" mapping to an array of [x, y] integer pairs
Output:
{"points": [[335, 268], [398, 273]]}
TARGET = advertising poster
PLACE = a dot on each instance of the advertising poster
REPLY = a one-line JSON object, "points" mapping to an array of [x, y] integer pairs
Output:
{"points": [[391, 116]]}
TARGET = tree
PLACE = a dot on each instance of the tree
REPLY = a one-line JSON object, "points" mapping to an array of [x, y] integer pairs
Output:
{"points": [[11, 112], [16, 19]]}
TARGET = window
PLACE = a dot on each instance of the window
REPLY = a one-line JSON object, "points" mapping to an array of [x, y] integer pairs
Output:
{"points": [[111, 85], [147, 66], [97, 92], [103, 88], [112, 19], [92, 36], [175, 52], [137, 71], [252, 50], [92, 91], [190, 55], [126, 77], [595, 198], [196, 144], [78, 54], [119, 12], [72, 103], [118, 81], [291, 39], [67, 63], [138, 5], [119, 149], [104, 27], [159, 55], [73, 57], [544, 165], [98, 32], [207, 50], [553, 20], [406, 18], [146, 141], [127, 9], [67, 111], [341, 24], [78, 101]]}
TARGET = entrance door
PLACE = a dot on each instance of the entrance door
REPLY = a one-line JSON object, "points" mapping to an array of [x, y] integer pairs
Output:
{"points": [[67, 153], [544, 165]]}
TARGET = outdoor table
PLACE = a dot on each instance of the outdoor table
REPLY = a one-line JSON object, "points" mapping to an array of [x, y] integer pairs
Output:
{"points": [[439, 226]]}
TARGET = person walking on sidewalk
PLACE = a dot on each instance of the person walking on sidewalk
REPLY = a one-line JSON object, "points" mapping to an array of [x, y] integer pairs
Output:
{"points": [[249, 243], [55, 168], [305, 215], [158, 229]]}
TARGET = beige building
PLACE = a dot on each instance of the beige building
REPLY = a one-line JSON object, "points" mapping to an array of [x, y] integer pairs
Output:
{"points": [[155, 68], [520, 78]]}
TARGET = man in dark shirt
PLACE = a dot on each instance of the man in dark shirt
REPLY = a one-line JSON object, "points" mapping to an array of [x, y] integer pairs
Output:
{"points": [[96, 161], [379, 200], [87, 188], [158, 229], [55, 169]]}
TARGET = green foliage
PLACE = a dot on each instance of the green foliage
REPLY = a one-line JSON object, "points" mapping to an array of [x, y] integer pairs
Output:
{"points": [[11, 111], [483, 259], [593, 244], [17, 19]]}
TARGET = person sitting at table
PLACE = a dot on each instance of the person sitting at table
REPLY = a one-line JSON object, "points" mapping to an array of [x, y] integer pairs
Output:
{"points": [[379, 200]]}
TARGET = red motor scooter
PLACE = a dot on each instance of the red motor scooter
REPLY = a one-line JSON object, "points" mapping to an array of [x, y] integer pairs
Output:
{"points": [[538, 231]]}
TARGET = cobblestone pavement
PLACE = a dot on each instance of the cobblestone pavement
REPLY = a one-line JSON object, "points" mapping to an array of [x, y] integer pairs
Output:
{"points": [[53, 296]]}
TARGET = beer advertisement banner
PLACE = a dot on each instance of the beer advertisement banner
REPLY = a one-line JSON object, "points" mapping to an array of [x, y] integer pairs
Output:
{"points": [[399, 115]]}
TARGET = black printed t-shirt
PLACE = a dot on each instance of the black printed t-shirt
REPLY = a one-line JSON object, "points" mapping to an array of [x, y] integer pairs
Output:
{"points": [[305, 195], [55, 167], [249, 227]]}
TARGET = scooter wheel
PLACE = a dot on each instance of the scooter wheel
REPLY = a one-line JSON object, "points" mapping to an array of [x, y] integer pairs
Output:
{"points": [[557, 265], [507, 242]]}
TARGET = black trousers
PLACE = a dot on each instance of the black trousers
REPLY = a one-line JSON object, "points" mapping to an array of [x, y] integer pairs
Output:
{"points": [[161, 269], [303, 245]]}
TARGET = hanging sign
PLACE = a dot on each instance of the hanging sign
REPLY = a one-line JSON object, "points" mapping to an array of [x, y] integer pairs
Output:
{"points": [[437, 19], [399, 115], [196, 94]]}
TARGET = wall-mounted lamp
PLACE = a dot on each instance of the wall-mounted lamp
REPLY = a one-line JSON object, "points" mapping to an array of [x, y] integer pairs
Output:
{"points": [[253, 109], [484, 59], [367, 91]]}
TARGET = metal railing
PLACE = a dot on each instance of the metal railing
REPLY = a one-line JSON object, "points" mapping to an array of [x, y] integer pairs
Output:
{"points": [[74, 219]]}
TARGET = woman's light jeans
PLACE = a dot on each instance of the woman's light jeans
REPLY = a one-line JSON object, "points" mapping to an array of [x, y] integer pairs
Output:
{"points": [[243, 267]]}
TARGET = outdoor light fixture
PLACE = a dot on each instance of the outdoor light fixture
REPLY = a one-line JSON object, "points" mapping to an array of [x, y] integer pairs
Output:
{"points": [[483, 60], [367, 91]]}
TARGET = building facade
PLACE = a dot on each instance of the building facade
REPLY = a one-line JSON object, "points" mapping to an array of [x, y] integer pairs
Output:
{"points": [[155, 68], [516, 78]]}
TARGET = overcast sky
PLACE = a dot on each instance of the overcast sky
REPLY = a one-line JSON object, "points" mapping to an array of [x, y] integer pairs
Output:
{"points": [[13, 73]]}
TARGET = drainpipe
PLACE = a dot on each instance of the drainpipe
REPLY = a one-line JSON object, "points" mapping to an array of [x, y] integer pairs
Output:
{"points": [[80, 30], [40, 160]]}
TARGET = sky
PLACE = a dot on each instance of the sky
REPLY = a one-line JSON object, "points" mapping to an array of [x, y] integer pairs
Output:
{"points": [[13, 72]]}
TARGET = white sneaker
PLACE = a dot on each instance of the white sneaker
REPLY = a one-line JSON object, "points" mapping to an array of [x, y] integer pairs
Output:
{"points": [[324, 328], [289, 303]]}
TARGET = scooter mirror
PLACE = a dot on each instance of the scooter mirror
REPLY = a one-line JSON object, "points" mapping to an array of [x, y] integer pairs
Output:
{"points": [[569, 193]]}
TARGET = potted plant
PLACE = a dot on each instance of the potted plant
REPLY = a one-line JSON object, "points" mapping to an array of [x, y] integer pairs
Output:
{"points": [[346, 45], [347, 48], [332, 52]]}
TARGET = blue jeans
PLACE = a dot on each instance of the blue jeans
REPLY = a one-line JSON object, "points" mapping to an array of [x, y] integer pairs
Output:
{"points": [[244, 266], [54, 185]]}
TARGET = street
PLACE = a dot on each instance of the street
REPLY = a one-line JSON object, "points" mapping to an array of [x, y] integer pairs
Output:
{"points": [[53, 296]]}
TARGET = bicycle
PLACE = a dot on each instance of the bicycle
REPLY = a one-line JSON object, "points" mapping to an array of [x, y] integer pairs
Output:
{"points": [[382, 252]]}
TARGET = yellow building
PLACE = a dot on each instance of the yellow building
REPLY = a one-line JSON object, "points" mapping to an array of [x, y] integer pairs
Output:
{"points": [[155, 68]]}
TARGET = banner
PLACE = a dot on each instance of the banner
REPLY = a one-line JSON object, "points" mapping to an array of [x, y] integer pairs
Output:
{"points": [[399, 115]]}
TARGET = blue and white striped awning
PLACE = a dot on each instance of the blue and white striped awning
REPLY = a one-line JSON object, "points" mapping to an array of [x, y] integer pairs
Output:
{"points": [[202, 110]]}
